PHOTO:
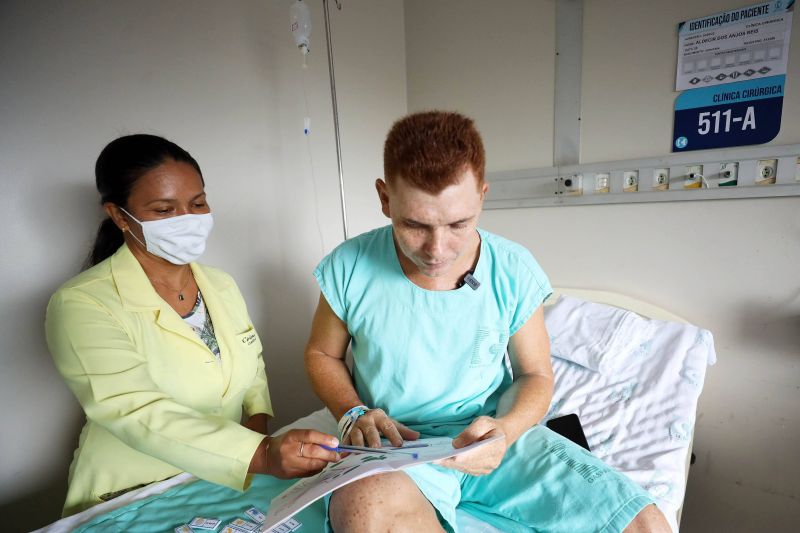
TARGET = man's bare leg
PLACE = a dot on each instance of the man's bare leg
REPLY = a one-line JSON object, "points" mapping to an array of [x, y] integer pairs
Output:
{"points": [[383, 503], [649, 520]]}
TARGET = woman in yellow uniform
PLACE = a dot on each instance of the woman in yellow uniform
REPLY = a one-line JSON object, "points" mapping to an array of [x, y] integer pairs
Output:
{"points": [[160, 350]]}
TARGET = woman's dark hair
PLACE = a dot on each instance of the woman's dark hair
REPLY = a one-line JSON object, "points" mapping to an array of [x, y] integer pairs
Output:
{"points": [[119, 166]]}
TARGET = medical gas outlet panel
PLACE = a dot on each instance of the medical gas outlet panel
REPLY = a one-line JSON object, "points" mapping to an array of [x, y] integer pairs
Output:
{"points": [[753, 172]]}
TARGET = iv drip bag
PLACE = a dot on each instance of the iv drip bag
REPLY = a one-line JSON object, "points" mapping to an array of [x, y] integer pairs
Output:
{"points": [[300, 24]]}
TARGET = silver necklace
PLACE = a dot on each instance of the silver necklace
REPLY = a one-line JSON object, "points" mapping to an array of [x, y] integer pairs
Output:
{"points": [[180, 291]]}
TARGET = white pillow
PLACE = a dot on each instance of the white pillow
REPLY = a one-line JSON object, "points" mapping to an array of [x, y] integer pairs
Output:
{"points": [[596, 336]]}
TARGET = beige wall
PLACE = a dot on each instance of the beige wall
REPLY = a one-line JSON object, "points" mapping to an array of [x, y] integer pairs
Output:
{"points": [[628, 77], [222, 79], [371, 89], [729, 266], [493, 61]]}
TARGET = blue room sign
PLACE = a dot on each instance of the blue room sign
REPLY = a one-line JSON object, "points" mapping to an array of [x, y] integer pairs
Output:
{"points": [[734, 114]]}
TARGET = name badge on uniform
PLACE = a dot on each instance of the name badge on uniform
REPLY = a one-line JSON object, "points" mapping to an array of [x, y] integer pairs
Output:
{"points": [[248, 338]]}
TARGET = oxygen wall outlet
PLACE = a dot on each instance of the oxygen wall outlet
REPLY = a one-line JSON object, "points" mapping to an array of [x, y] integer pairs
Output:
{"points": [[728, 174], [766, 171], [573, 185], [694, 177], [602, 183], [661, 179], [630, 181], [797, 170]]}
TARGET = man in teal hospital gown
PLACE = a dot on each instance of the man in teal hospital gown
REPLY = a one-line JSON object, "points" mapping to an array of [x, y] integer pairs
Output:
{"points": [[431, 306]]}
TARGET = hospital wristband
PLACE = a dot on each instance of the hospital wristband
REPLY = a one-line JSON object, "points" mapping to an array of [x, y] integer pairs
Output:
{"points": [[348, 420]]}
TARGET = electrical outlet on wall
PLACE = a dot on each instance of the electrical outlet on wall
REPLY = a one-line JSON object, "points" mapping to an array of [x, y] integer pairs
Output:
{"points": [[602, 183], [766, 171], [728, 174], [630, 181], [694, 177], [797, 170], [661, 179], [573, 185]]}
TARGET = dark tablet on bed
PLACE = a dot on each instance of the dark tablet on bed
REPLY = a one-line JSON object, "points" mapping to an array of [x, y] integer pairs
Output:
{"points": [[569, 426]]}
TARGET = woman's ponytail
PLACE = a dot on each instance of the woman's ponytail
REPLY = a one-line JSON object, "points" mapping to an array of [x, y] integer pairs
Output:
{"points": [[109, 239]]}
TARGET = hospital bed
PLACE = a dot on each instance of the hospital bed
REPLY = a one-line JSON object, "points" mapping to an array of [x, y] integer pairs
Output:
{"points": [[632, 371]]}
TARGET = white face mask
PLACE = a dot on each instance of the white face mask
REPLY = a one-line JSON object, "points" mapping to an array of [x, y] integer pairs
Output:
{"points": [[179, 240]]}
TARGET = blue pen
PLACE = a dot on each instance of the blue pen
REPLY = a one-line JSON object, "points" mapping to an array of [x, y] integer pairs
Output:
{"points": [[363, 449]]}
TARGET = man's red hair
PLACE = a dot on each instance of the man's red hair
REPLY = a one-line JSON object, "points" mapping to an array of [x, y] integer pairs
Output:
{"points": [[432, 150]]}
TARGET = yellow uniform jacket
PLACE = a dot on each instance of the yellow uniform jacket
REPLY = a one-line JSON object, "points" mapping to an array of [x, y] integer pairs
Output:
{"points": [[157, 401]]}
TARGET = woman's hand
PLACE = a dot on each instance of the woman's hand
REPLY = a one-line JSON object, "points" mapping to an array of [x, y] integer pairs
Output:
{"points": [[369, 427], [485, 459], [298, 453]]}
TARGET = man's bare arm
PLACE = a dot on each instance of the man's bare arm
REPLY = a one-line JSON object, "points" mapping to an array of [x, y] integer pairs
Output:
{"points": [[527, 400], [325, 361], [519, 408], [331, 381]]}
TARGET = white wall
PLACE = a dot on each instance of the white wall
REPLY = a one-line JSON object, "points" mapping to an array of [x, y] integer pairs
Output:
{"points": [[729, 266], [225, 81]]}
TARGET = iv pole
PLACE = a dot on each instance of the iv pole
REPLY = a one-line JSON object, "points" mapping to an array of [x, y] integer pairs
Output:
{"points": [[335, 110]]}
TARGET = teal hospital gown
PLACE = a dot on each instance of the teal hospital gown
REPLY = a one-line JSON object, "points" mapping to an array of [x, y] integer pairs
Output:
{"points": [[436, 360]]}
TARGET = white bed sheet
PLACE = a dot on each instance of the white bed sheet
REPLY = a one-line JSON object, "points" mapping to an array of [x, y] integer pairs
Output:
{"points": [[639, 420]]}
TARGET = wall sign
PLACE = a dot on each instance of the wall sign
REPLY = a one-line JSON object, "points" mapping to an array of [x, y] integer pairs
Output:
{"points": [[734, 65], [736, 114], [741, 44]]}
